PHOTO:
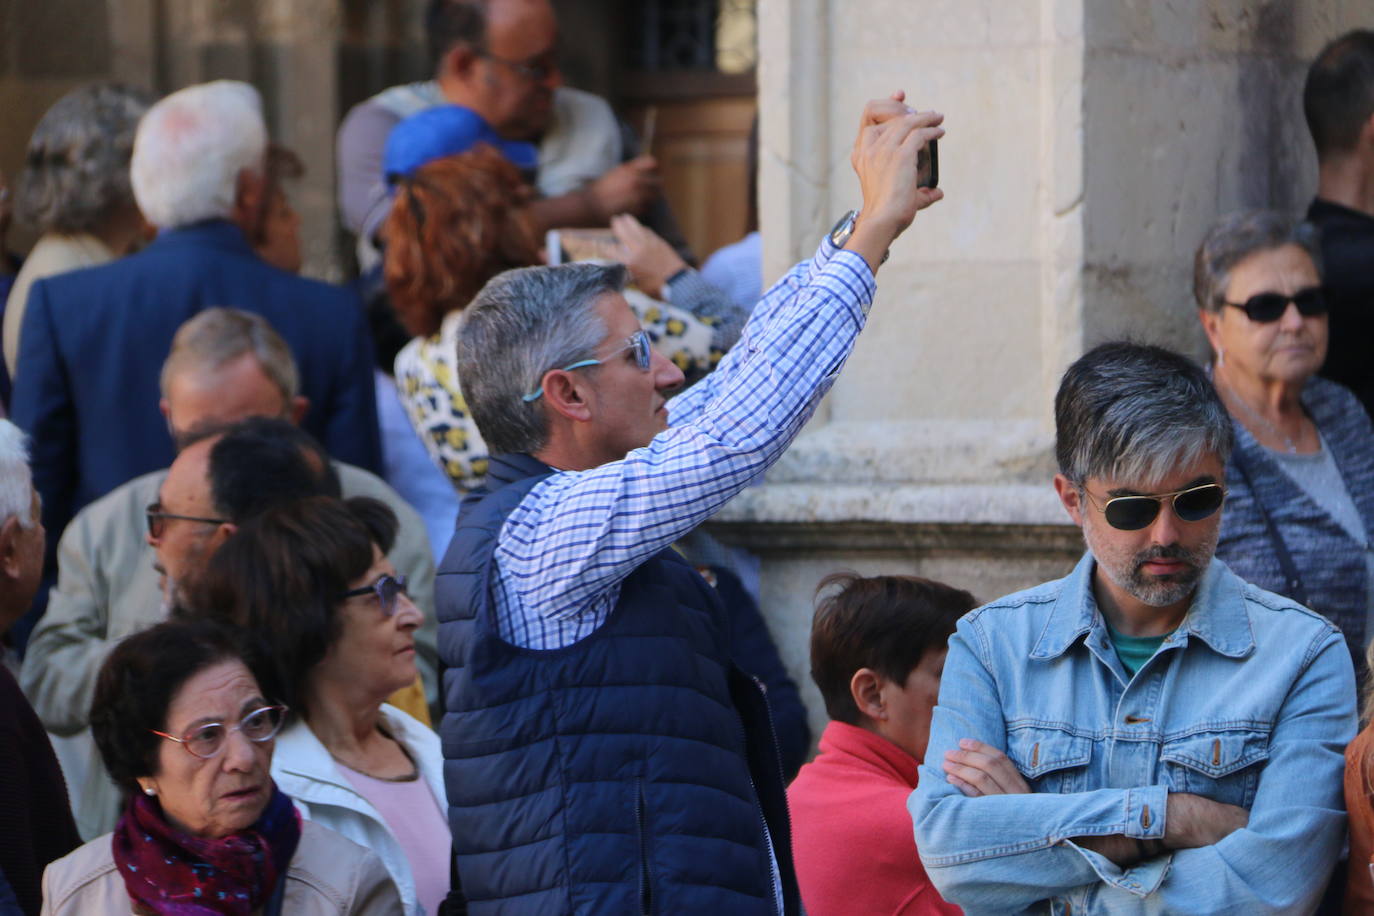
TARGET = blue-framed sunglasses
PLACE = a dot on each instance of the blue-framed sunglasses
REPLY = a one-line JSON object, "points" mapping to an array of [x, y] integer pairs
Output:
{"points": [[638, 341]]}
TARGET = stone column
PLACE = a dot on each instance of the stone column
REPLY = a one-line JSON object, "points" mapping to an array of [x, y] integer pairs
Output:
{"points": [[1090, 145]]}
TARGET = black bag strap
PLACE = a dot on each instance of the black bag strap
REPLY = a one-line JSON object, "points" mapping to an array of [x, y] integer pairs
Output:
{"points": [[1292, 581]]}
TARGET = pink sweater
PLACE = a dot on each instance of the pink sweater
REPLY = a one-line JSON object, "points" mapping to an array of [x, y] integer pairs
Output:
{"points": [[852, 838]]}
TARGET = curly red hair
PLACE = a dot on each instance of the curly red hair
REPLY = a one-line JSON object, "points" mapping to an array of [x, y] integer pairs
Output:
{"points": [[455, 224]]}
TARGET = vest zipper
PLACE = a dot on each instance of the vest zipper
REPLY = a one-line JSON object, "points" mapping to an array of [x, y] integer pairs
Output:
{"points": [[773, 874], [646, 891]]}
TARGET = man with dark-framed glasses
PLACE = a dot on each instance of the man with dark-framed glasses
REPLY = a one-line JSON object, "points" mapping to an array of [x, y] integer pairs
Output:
{"points": [[1150, 734]]}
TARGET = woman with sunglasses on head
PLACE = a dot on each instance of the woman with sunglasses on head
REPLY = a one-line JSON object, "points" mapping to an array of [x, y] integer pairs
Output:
{"points": [[333, 635], [1301, 477], [187, 732]]}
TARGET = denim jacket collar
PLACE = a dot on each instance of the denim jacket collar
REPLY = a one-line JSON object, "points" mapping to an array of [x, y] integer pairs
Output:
{"points": [[1217, 615]]}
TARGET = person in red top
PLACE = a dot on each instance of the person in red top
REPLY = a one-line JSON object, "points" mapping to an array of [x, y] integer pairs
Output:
{"points": [[877, 649]]}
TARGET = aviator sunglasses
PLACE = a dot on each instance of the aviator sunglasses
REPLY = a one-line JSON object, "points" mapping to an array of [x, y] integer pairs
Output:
{"points": [[1131, 513], [1267, 307]]}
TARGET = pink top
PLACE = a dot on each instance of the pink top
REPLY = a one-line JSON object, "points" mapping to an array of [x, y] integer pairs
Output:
{"points": [[415, 818], [852, 838]]}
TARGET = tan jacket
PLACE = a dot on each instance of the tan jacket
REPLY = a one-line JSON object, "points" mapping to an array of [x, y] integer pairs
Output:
{"points": [[107, 589], [328, 876], [52, 254]]}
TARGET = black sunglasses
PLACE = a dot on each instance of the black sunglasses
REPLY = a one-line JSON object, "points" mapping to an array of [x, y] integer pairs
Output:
{"points": [[1267, 307], [387, 589], [1131, 513]]}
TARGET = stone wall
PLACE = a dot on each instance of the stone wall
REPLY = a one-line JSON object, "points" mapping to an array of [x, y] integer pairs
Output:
{"points": [[1091, 143]]}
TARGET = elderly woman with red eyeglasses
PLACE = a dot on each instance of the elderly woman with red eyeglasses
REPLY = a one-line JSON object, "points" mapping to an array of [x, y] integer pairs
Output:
{"points": [[334, 636], [185, 729]]}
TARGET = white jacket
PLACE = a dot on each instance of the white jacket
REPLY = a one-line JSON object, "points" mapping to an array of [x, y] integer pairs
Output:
{"points": [[304, 770]]}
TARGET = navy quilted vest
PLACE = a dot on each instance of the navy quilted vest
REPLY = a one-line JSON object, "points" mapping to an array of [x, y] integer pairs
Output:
{"points": [[618, 774]]}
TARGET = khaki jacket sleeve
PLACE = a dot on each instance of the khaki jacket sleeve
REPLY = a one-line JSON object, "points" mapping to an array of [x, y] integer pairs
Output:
{"points": [[71, 640]]}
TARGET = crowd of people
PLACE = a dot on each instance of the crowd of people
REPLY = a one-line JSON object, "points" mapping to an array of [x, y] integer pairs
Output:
{"points": [[393, 598]]}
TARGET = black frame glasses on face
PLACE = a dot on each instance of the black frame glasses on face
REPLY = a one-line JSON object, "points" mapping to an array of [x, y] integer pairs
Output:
{"points": [[208, 740], [387, 588], [1266, 307], [156, 519], [535, 70], [1131, 513]]}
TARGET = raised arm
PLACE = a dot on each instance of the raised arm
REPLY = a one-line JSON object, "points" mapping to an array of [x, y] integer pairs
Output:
{"points": [[578, 534]]}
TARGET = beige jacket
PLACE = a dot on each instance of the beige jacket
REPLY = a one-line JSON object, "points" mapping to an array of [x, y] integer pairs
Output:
{"points": [[53, 254], [107, 589], [328, 876]]}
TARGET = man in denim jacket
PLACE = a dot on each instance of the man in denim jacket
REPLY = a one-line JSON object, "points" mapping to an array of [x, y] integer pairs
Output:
{"points": [[1150, 734]]}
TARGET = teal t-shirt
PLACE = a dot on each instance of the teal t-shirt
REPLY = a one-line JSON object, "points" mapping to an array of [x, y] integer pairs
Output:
{"points": [[1134, 651]]}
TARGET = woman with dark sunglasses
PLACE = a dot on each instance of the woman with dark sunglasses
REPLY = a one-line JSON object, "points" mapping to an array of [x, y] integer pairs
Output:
{"points": [[1300, 510], [334, 635], [187, 731]]}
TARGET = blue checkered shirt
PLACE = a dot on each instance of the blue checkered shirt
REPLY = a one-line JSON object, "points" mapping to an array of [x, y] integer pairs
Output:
{"points": [[572, 540]]}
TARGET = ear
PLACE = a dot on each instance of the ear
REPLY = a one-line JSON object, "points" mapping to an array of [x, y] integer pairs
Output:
{"points": [[459, 62], [1211, 326], [249, 190], [1070, 497], [166, 409], [866, 689], [224, 532], [11, 565], [300, 405], [565, 395]]}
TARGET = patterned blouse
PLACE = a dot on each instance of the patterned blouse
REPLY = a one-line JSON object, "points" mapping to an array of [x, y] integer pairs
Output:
{"points": [[694, 334]]}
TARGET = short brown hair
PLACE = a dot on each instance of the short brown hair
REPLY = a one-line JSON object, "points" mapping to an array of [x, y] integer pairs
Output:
{"points": [[455, 224], [886, 623]]}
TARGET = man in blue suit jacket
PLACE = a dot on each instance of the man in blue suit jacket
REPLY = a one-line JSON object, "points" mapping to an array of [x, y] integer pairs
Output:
{"points": [[93, 340]]}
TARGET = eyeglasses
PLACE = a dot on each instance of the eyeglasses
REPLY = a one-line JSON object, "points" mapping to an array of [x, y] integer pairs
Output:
{"points": [[1131, 513], [387, 589], [1267, 307], [157, 519], [208, 740], [638, 341], [536, 70]]}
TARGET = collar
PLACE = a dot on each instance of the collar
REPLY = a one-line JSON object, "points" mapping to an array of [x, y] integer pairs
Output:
{"points": [[305, 764], [509, 468], [1217, 616], [870, 749], [210, 233]]}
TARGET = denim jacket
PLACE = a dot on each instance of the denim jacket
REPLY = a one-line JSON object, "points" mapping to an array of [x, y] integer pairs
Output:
{"points": [[1250, 702]]}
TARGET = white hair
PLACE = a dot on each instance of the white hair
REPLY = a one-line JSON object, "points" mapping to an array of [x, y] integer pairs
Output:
{"points": [[16, 480], [190, 149]]}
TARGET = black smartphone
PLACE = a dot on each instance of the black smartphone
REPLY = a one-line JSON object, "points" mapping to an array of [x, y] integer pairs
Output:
{"points": [[928, 166]]}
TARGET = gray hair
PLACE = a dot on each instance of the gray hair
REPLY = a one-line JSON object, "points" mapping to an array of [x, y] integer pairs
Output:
{"points": [[190, 149], [16, 480], [1133, 412], [1234, 238], [523, 323], [218, 336], [76, 167]]}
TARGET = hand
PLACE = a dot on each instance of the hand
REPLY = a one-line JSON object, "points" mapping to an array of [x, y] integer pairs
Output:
{"points": [[650, 259], [628, 188], [1192, 821], [978, 769], [884, 158]]}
